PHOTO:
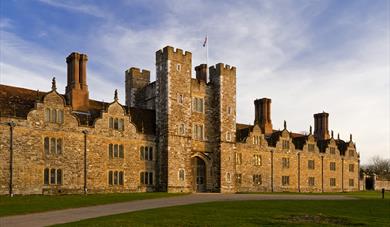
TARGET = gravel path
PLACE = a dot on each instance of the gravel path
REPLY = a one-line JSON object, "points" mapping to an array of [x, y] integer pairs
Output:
{"points": [[76, 214]]}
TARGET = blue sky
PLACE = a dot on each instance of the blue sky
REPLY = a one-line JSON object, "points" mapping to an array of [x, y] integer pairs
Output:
{"points": [[307, 56]]}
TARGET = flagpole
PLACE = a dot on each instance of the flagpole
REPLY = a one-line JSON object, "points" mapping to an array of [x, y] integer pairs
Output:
{"points": [[207, 57]]}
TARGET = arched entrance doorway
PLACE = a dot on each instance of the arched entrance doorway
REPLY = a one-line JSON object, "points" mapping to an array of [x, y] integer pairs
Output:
{"points": [[200, 174]]}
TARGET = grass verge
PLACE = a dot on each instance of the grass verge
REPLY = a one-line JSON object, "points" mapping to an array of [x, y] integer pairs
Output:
{"points": [[39, 203]]}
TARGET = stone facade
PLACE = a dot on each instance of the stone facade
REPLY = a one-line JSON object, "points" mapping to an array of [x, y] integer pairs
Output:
{"points": [[176, 134]]}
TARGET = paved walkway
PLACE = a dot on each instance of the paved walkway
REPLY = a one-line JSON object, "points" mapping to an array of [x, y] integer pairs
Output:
{"points": [[76, 214]]}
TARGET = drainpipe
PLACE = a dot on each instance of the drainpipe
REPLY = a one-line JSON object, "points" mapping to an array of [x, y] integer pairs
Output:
{"points": [[322, 173], [358, 175], [299, 172], [85, 132], [11, 157], [272, 171], [342, 175]]}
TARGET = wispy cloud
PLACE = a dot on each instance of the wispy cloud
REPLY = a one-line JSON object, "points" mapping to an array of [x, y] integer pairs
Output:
{"points": [[77, 6], [307, 56], [5, 23]]}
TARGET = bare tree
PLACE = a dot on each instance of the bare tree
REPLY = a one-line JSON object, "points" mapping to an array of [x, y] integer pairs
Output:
{"points": [[378, 166]]}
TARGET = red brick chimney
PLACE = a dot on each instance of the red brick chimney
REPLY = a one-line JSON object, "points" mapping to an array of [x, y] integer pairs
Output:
{"points": [[321, 131], [201, 72], [263, 115], [77, 89]]}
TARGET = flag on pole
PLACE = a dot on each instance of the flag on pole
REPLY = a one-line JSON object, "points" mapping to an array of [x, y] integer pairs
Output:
{"points": [[205, 41]]}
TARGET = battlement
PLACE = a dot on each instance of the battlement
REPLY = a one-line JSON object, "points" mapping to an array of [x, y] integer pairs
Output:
{"points": [[222, 68], [169, 52], [136, 72], [135, 80]]}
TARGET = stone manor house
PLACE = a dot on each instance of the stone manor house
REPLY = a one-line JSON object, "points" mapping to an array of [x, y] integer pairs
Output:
{"points": [[175, 134]]}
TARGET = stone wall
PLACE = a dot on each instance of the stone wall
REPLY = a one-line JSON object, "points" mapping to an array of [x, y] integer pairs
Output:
{"points": [[174, 81], [379, 184], [272, 169], [135, 82], [305, 173], [223, 80], [248, 166], [230, 166], [30, 159]]}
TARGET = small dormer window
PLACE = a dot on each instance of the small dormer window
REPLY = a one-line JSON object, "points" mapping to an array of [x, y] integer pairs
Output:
{"points": [[47, 115], [311, 147], [256, 140], [286, 145], [120, 124], [332, 150], [116, 123], [54, 115]]}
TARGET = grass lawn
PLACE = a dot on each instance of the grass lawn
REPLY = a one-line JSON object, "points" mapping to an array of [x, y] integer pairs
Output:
{"points": [[39, 203], [370, 210], [360, 194]]}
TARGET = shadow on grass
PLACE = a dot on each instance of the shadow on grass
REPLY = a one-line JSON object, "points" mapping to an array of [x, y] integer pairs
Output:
{"points": [[20, 204]]}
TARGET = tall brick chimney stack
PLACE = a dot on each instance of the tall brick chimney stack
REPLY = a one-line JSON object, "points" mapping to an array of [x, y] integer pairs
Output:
{"points": [[263, 115], [201, 72], [77, 89], [321, 131]]}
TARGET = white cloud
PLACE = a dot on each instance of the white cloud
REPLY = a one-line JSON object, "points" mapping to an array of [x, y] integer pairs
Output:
{"points": [[274, 47]]}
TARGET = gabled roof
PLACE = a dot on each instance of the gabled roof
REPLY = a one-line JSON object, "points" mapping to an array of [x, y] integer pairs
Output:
{"points": [[18, 102], [273, 138], [242, 131], [298, 140], [342, 146], [322, 145]]}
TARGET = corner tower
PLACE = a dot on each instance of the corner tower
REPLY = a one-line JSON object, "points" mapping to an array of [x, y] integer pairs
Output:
{"points": [[223, 81], [135, 80], [173, 118], [76, 90]]}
